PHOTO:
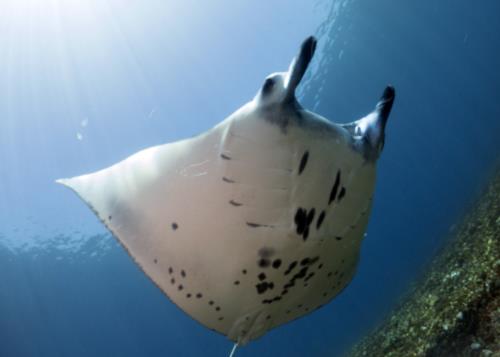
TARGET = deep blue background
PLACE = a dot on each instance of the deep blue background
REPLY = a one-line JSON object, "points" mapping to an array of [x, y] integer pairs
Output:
{"points": [[156, 71]]}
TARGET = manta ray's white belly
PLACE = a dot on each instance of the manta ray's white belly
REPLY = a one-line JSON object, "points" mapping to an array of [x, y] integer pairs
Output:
{"points": [[245, 227]]}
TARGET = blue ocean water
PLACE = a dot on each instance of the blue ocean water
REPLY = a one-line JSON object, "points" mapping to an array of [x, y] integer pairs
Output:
{"points": [[84, 84]]}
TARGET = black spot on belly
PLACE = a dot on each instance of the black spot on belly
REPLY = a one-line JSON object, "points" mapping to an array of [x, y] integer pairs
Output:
{"points": [[228, 180], [170, 270], [172, 281], [341, 193], [277, 263], [262, 276], [199, 296], [309, 276], [320, 220], [234, 203], [264, 263], [110, 217], [335, 188], [183, 273], [188, 295], [301, 274], [237, 282], [306, 233], [221, 318], [338, 238], [310, 216], [300, 220], [156, 261], [291, 267], [262, 287], [175, 226], [180, 287], [303, 162], [244, 271], [210, 303], [225, 157], [217, 308], [305, 261]]}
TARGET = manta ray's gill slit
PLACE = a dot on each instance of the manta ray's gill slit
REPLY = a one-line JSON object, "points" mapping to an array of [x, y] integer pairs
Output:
{"points": [[303, 162], [227, 180], [258, 225], [234, 203]]}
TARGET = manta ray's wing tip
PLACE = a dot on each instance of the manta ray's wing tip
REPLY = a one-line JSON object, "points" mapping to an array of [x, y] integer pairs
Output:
{"points": [[63, 181]]}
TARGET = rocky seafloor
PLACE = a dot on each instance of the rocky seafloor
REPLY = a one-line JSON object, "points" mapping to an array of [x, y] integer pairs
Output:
{"points": [[454, 309]]}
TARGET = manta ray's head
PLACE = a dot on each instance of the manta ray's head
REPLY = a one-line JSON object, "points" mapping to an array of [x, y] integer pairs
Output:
{"points": [[277, 103], [279, 88]]}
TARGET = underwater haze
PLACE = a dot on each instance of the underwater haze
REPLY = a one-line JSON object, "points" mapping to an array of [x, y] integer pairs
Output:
{"points": [[84, 84]]}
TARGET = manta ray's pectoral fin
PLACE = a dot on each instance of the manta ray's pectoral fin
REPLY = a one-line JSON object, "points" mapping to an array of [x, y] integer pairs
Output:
{"points": [[369, 131]]}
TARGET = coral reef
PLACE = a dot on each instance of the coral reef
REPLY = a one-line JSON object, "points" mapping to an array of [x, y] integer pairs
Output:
{"points": [[454, 309]]}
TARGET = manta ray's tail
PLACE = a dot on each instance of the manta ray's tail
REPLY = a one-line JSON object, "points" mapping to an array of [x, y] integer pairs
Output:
{"points": [[233, 350]]}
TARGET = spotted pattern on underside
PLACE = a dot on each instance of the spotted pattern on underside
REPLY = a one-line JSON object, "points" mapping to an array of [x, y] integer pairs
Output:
{"points": [[184, 289], [304, 274], [303, 162]]}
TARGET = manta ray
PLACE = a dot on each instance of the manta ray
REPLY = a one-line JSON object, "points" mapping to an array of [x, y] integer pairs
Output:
{"points": [[255, 222]]}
